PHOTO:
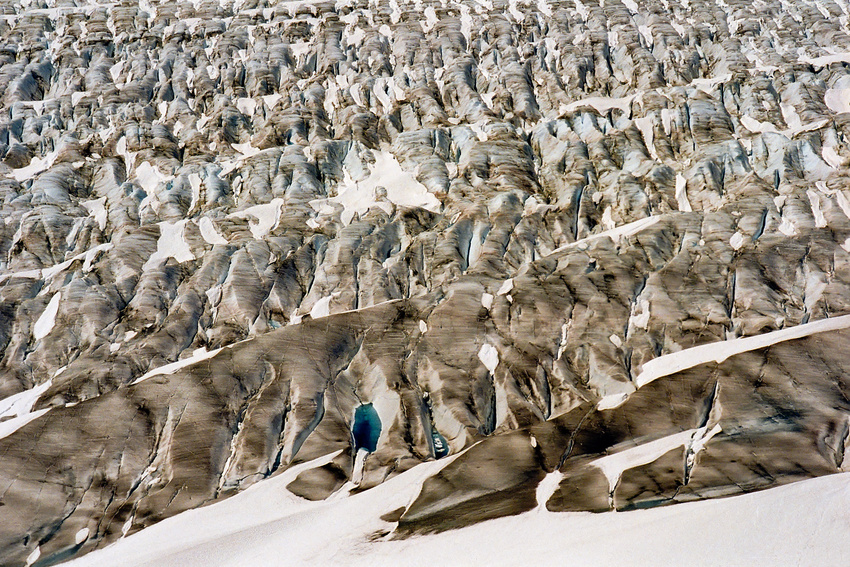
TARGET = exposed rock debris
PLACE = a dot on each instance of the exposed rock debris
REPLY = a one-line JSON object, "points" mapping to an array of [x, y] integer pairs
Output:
{"points": [[228, 226]]}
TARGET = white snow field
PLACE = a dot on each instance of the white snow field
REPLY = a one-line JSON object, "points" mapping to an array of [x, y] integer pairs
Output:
{"points": [[804, 523]]}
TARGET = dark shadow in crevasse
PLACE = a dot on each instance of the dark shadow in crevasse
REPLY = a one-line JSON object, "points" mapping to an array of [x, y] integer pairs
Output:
{"points": [[441, 446]]}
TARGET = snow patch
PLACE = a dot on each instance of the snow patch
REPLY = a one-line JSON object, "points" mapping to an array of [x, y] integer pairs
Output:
{"points": [[322, 308], [582, 11], [700, 438], [837, 100], [36, 166], [831, 157], [843, 203], [466, 22], [97, 210], [88, 258], [667, 116], [757, 127], [401, 187], [547, 487], [357, 471], [737, 241], [506, 287], [514, 11], [246, 150], [209, 233], [646, 126], [708, 85], [682, 193], [826, 60], [45, 323], [639, 318], [601, 104], [612, 401], [487, 300], [149, 177], [195, 184], [817, 212], [246, 106], [33, 557], [430, 19], [271, 100], [16, 410], [631, 5], [489, 357], [262, 218], [787, 227], [171, 244], [395, 13], [646, 33]]}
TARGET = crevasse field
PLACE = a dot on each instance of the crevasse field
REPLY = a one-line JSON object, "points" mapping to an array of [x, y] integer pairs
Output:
{"points": [[425, 282]]}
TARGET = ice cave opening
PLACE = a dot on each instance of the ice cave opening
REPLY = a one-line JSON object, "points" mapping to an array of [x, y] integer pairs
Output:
{"points": [[366, 428]]}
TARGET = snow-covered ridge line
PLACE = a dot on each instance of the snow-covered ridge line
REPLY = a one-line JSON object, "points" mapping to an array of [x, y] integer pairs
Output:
{"points": [[46, 273], [22, 402], [11, 425], [198, 356], [614, 234], [267, 507], [720, 351], [253, 527], [612, 466], [202, 354], [388, 302], [615, 464], [17, 409]]}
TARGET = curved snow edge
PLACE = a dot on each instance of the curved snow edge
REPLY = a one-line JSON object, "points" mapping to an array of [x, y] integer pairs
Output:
{"points": [[720, 351]]}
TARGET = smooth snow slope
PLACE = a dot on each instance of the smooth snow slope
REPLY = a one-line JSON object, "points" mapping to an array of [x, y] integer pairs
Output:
{"points": [[805, 523]]}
